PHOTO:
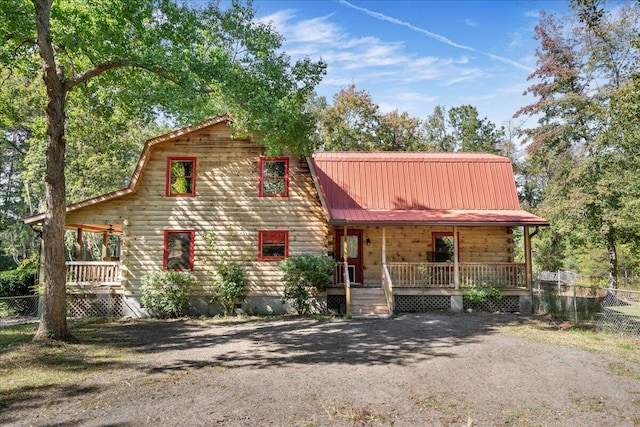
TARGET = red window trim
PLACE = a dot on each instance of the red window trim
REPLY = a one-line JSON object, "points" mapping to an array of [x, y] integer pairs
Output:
{"points": [[191, 248], [436, 234], [193, 178], [261, 233], [286, 175]]}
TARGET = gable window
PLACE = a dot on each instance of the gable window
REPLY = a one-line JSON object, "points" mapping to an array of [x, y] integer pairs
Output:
{"points": [[274, 177], [443, 247], [178, 249], [181, 176], [273, 245]]}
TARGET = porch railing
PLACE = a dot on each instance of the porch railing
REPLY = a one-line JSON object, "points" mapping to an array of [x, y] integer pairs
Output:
{"points": [[441, 275], [96, 273], [338, 275]]}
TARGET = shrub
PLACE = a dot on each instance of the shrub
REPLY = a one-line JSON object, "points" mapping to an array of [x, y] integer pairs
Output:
{"points": [[478, 294], [166, 293], [17, 282], [303, 276], [230, 286]]}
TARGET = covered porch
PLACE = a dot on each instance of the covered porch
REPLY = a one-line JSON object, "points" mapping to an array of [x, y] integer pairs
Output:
{"points": [[96, 265], [431, 265]]}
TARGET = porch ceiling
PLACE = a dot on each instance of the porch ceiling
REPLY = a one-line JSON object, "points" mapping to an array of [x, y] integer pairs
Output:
{"points": [[435, 217], [95, 228]]}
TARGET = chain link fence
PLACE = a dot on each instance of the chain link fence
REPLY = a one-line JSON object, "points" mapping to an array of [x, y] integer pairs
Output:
{"points": [[616, 311], [621, 312], [581, 304], [22, 309]]}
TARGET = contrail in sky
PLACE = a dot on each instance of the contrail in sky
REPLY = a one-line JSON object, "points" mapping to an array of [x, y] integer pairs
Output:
{"points": [[438, 37]]}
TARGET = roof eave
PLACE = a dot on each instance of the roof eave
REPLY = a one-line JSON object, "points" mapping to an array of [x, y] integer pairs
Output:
{"points": [[342, 223]]}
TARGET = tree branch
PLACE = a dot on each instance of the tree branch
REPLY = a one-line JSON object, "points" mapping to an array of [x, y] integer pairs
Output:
{"points": [[121, 63], [99, 69]]}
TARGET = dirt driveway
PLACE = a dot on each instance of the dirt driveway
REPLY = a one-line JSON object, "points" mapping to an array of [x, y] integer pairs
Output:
{"points": [[429, 369]]}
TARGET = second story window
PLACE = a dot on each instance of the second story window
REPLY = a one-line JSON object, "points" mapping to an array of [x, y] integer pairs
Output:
{"points": [[181, 176], [274, 177]]}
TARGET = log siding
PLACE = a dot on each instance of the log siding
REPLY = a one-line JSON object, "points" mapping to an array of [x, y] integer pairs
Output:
{"points": [[227, 206]]}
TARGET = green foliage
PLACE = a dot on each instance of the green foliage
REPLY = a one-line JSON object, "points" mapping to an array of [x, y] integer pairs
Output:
{"points": [[230, 276], [166, 293], [18, 282], [479, 294], [303, 276], [472, 133], [231, 285], [5, 310]]}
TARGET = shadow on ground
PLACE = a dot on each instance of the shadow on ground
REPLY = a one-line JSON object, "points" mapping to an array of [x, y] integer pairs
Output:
{"points": [[404, 340]]}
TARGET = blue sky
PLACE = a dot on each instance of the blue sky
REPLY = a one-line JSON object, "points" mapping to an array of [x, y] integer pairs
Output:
{"points": [[414, 55]]}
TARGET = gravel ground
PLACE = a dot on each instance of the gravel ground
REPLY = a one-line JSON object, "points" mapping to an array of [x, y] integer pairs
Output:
{"points": [[427, 369]]}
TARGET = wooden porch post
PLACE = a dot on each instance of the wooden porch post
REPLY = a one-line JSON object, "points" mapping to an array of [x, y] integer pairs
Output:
{"points": [[79, 245], [456, 261], [384, 250], [347, 285], [105, 242], [527, 257]]}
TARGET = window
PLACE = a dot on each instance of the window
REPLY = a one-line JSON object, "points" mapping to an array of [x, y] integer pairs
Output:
{"points": [[273, 245], [178, 249], [274, 177], [443, 247], [181, 176]]}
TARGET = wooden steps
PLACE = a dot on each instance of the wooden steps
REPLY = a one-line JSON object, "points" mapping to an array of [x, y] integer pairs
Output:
{"points": [[368, 302]]}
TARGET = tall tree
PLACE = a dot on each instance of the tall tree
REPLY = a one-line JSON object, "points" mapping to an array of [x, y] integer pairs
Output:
{"points": [[179, 54], [584, 73], [401, 132], [438, 137], [351, 123], [472, 133]]}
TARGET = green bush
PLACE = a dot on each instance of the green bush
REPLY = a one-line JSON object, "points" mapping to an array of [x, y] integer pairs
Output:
{"points": [[230, 286], [17, 282], [479, 294], [303, 276], [166, 293]]}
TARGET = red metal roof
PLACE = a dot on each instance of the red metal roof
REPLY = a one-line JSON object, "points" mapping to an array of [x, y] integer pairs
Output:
{"points": [[400, 187]]}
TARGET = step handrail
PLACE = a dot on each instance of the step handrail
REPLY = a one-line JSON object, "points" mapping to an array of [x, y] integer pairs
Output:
{"points": [[387, 286]]}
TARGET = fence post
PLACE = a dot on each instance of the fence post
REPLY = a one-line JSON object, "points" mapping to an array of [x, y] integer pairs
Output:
{"points": [[575, 303]]}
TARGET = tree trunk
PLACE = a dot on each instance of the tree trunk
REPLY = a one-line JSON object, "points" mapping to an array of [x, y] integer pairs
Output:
{"points": [[613, 262], [53, 324]]}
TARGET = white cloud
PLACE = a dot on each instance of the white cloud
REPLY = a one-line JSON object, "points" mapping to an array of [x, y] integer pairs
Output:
{"points": [[532, 14], [318, 30], [278, 20], [471, 23], [516, 40]]}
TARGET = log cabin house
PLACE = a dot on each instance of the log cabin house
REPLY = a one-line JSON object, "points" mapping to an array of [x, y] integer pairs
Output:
{"points": [[420, 227]]}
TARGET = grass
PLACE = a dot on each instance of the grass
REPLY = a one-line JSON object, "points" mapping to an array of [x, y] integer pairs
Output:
{"points": [[625, 350], [629, 310], [31, 370]]}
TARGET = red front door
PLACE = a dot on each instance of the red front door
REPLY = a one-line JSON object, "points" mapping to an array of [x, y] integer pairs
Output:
{"points": [[354, 253]]}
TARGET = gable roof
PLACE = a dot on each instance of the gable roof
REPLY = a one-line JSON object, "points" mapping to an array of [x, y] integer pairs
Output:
{"points": [[132, 186], [418, 188]]}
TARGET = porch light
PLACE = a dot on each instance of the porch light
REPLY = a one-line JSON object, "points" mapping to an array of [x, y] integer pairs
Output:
{"points": [[368, 241]]}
